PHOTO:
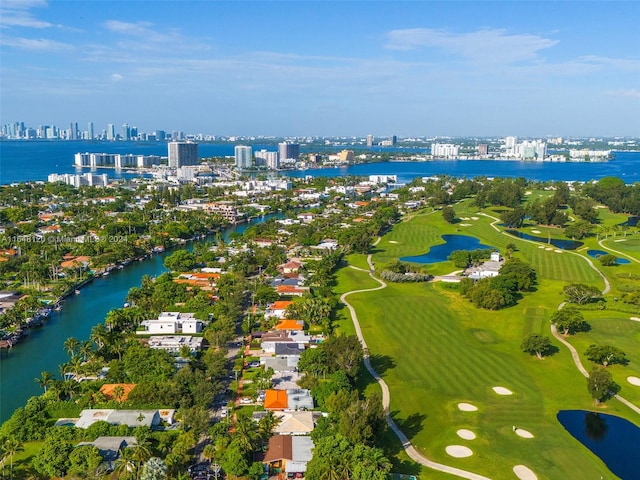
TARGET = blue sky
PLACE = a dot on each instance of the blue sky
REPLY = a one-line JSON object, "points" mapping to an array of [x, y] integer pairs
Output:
{"points": [[291, 68]]}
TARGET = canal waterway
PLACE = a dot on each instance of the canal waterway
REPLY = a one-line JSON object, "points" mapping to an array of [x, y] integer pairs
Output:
{"points": [[43, 349]]}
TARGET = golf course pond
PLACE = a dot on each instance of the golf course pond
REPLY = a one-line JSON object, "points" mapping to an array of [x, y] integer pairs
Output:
{"points": [[598, 253], [562, 244], [613, 439], [440, 253]]}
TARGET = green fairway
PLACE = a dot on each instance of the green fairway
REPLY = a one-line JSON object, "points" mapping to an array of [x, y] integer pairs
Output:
{"points": [[434, 349]]}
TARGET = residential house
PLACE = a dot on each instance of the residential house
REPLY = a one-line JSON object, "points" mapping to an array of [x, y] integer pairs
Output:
{"points": [[109, 448], [174, 343], [171, 323], [109, 391], [131, 418], [276, 400], [277, 309], [299, 399], [288, 454], [287, 325]]}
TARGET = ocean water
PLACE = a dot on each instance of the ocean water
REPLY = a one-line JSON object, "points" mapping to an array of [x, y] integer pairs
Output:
{"points": [[22, 161]]}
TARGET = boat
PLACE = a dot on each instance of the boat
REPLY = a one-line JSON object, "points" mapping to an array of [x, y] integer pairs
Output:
{"points": [[77, 292]]}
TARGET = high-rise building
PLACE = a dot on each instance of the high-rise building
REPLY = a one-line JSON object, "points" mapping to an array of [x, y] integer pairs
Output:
{"points": [[111, 132], [393, 139], [369, 140], [243, 157], [126, 132], [73, 133], [288, 151], [182, 154], [90, 130]]}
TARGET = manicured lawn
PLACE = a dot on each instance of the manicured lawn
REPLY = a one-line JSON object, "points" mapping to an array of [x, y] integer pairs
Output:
{"points": [[629, 245], [22, 460], [435, 349], [617, 329]]}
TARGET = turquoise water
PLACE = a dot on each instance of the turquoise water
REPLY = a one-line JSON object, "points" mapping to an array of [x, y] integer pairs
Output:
{"points": [[440, 253], [613, 439], [43, 349]]}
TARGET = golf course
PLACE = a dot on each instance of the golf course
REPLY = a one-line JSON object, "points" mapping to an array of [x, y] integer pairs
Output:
{"points": [[461, 388]]}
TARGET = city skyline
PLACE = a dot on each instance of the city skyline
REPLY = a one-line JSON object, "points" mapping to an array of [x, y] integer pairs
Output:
{"points": [[325, 68]]}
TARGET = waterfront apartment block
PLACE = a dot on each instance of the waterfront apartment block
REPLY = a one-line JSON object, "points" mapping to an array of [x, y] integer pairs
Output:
{"points": [[244, 157], [78, 180], [116, 160], [445, 150], [182, 154]]}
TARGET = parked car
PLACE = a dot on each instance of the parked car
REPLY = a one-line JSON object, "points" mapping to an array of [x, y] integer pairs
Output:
{"points": [[245, 400]]}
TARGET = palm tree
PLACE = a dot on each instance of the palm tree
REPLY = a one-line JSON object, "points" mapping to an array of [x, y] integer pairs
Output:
{"points": [[118, 392], [140, 453], [267, 424], [11, 446], [45, 380], [99, 335], [85, 350], [124, 464], [71, 345], [246, 434]]}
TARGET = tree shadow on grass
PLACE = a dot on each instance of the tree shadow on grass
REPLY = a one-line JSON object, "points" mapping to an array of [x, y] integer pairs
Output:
{"points": [[395, 453], [381, 363], [410, 426]]}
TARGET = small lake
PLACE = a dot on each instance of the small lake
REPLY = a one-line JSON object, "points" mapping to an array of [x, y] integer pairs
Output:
{"points": [[598, 253], [562, 244], [631, 222], [613, 439], [440, 253]]}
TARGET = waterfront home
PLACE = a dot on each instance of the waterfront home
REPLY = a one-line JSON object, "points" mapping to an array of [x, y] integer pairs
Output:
{"points": [[131, 418], [169, 323], [112, 392], [174, 343]]}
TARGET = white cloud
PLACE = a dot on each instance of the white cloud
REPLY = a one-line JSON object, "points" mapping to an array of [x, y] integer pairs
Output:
{"points": [[487, 45], [628, 93], [39, 44], [15, 13], [116, 77]]}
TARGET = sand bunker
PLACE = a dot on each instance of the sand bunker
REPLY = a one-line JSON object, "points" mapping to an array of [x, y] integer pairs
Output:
{"points": [[536, 231], [523, 433], [466, 434], [464, 218], [502, 391], [549, 248], [467, 407], [634, 381], [475, 218], [465, 224], [635, 319], [458, 451], [558, 251], [392, 241], [524, 473], [528, 193], [541, 246]]}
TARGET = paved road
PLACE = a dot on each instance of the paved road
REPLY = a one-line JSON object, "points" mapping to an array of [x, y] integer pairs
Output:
{"points": [[386, 397]]}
